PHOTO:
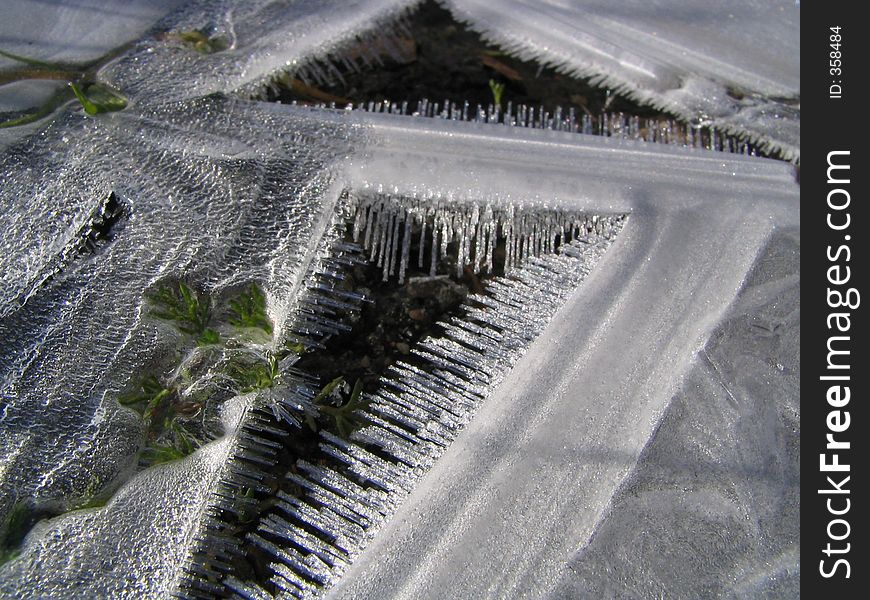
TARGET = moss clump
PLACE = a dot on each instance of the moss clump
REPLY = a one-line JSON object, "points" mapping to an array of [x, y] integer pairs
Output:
{"points": [[232, 359], [189, 311], [249, 310]]}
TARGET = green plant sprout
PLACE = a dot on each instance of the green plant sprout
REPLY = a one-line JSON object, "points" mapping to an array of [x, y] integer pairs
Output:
{"points": [[98, 98], [326, 391], [181, 444], [343, 416], [293, 348], [94, 97], [257, 376], [182, 306], [161, 453], [249, 310], [156, 403], [160, 402], [497, 91]]}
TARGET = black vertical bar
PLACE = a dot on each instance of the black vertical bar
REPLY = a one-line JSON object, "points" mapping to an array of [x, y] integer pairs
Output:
{"points": [[834, 371]]}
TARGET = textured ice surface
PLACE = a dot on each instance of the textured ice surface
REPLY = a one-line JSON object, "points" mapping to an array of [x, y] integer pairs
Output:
{"points": [[221, 192], [354, 484], [216, 191], [736, 69], [718, 484], [131, 548], [264, 37]]}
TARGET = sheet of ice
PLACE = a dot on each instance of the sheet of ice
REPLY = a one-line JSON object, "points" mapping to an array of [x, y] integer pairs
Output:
{"points": [[723, 207], [509, 503], [706, 65], [737, 69], [57, 32], [218, 192], [222, 192], [131, 548], [77, 32], [22, 95], [263, 38], [736, 66], [721, 477]]}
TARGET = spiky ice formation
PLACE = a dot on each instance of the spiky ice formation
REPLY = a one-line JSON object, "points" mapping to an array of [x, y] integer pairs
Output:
{"points": [[384, 226], [690, 61], [346, 488]]}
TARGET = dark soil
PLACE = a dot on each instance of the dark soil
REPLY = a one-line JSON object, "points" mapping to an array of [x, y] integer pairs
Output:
{"points": [[392, 320], [441, 58]]}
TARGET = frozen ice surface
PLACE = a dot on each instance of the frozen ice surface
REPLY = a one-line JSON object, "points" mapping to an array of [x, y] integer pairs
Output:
{"points": [[736, 66], [218, 192], [221, 192], [66, 33], [722, 207], [264, 37], [131, 548], [25, 94], [737, 70], [77, 32], [718, 484], [526, 485]]}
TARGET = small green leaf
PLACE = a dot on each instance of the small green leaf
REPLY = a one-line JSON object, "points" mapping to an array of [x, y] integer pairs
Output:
{"points": [[106, 99], [99, 98], [249, 310], [198, 40], [181, 305], [294, 348], [161, 453], [344, 417], [183, 440], [89, 106], [254, 376], [209, 337], [144, 392], [497, 91], [327, 390], [155, 407]]}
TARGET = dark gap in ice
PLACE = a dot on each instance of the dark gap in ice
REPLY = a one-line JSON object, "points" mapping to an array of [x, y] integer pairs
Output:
{"points": [[388, 325], [429, 64], [106, 224], [251, 521], [431, 55]]}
